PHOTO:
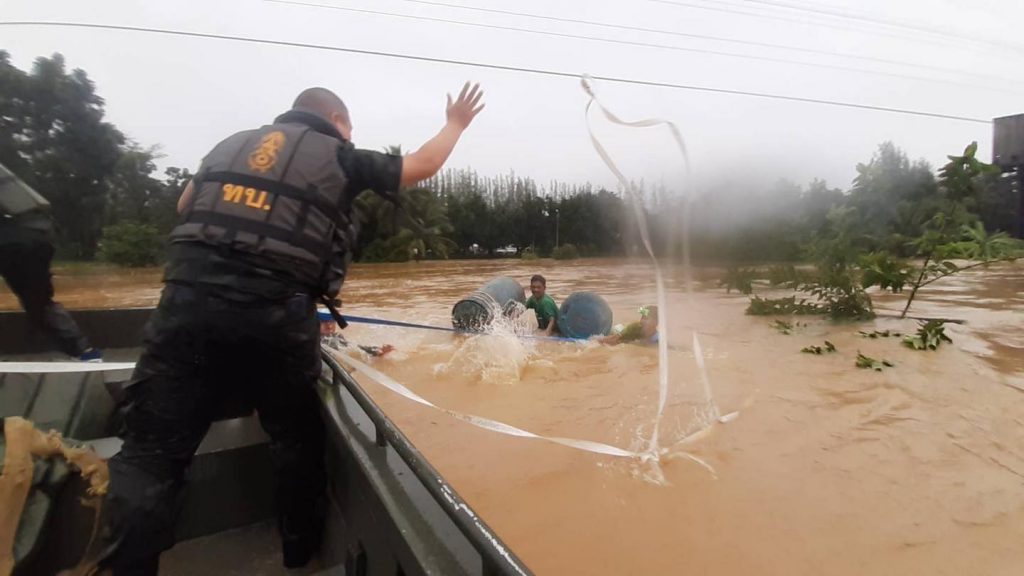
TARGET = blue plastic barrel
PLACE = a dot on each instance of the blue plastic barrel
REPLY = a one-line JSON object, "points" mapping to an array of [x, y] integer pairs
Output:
{"points": [[479, 309], [584, 314]]}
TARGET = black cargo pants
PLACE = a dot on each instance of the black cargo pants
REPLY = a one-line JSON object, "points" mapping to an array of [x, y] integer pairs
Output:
{"points": [[202, 348], [26, 268]]}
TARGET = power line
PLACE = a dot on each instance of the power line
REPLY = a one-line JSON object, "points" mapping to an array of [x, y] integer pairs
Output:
{"points": [[502, 67], [638, 44], [697, 36], [877, 21], [835, 26]]}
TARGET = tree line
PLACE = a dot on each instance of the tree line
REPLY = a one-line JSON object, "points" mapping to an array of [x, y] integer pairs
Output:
{"points": [[110, 202]]}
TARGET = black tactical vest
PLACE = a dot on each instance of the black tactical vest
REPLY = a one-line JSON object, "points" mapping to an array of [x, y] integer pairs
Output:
{"points": [[276, 193], [22, 206]]}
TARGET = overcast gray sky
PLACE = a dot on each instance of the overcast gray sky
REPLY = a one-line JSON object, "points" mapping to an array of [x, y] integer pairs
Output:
{"points": [[185, 94]]}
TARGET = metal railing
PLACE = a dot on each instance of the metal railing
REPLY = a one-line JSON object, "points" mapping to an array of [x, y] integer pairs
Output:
{"points": [[496, 557]]}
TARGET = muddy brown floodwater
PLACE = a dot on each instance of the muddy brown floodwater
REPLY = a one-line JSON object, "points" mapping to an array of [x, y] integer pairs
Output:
{"points": [[828, 469]]}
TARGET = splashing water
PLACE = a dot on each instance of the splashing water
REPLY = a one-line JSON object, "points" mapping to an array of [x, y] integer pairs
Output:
{"points": [[499, 354], [711, 414]]}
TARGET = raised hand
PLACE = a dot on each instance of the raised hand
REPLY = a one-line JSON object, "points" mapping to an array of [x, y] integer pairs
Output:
{"points": [[462, 111]]}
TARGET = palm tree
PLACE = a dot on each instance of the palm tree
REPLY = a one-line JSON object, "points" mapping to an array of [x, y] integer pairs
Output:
{"points": [[416, 226], [426, 223]]}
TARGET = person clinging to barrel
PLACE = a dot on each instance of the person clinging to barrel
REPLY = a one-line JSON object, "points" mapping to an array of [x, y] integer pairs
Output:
{"points": [[543, 305], [643, 331]]}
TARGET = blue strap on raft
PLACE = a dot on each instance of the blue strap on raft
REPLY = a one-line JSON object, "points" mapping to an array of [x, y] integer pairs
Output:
{"points": [[398, 324]]}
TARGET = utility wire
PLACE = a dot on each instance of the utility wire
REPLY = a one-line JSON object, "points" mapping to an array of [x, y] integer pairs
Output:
{"points": [[639, 44], [877, 21], [538, 71], [718, 8], [698, 36]]}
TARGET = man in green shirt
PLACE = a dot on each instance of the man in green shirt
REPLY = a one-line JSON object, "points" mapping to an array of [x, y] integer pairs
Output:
{"points": [[543, 305]]}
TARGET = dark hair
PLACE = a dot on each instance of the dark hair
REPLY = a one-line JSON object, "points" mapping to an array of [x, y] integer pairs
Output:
{"points": [[320, 101], [538, 278]]}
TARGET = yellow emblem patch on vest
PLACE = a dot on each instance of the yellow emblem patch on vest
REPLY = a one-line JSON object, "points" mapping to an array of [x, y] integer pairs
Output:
{"points": [[264, 156]]}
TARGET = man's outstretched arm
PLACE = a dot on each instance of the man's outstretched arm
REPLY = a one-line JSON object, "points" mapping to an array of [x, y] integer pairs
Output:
{"points": [[430, 157]]}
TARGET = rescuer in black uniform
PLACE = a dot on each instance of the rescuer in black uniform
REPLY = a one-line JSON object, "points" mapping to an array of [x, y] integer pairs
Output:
{"points": [[26, 249], [266, 232]]}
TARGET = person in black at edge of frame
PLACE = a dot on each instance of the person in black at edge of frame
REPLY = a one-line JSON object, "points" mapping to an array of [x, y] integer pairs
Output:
{"points": [[26, 250], [266, 230]]}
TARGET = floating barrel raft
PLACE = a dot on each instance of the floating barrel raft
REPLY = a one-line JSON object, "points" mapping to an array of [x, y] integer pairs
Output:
{"points": [[583, 315], [477, 311]]}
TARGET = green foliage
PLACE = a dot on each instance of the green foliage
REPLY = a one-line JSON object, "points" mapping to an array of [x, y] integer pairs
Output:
{"points": [[781, 306], [739, 279], [843, 299], [53, 136], [529, 255], [964, 177], [880, 269], [891, 196], [835, 252], [565, 252], [814, 349], [415, 231], [135, 195], [131, 244], [945, 236], [976, 243], [869, 362], [491, 213], [930, 335], [385, 250]]}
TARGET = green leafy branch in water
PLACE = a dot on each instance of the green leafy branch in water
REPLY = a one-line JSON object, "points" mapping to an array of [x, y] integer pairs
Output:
{"points": [[781, 306], [952, 231], [814, 349], [897, 210], [878, 334], [929, 336], [843, 300], [880, 269], [975, 243], [869, 362], [786, 327], [739, 279]]}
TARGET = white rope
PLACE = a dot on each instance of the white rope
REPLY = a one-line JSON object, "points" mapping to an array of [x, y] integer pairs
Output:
{"points": [[663, 370], [62, 367]]}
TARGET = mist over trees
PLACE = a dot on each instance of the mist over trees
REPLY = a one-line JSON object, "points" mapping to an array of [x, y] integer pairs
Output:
{"points": [[110, 201]]}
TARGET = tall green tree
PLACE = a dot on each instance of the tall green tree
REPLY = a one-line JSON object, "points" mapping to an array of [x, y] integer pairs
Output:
{"points": [[133, 191], [894, 198], [53, 134]]}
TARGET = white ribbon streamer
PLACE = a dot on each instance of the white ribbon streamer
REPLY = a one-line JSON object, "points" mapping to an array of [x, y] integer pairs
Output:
{"points": [[645, 237], [507, 429], [62, 367], [480, 422]]}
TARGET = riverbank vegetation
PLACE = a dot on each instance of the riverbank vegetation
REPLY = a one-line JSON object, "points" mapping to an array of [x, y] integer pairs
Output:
{"points": [[900, 227]]}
